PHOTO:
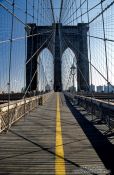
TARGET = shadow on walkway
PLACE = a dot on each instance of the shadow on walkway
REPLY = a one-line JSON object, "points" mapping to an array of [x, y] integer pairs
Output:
{"points": [[100, 142], [82, 169]]}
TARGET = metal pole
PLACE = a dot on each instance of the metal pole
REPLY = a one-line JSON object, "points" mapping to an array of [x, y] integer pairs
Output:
{"points": [[10, 61], [73, 68], [73, 83]]}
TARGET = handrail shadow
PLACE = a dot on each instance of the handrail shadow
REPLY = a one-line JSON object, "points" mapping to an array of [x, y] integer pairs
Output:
{"points": [[101, 144]]}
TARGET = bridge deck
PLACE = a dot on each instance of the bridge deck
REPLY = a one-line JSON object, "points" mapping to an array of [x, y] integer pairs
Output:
{"points": [[31, 146]]}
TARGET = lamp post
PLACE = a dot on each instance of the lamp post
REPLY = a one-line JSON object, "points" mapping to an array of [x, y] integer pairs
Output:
{"points": [[73, 68], [51, 85]]}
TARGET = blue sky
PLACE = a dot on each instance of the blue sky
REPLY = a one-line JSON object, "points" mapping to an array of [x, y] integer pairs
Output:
{"points": [[18, 49], [18, 56], [56, 5]]}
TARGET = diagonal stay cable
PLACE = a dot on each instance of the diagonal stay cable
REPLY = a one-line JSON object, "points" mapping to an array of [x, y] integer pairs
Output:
{"points": [[29, 84], [23, 37], [92, 8], [14, 15], [92, 94], [79, 69], [39, 48], [90, 63], [105, 9], [75, 12], [31, 81], [17, 7]]}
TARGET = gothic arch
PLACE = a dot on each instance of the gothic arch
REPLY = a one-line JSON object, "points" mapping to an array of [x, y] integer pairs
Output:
{"points": [[77, 42], [68, 55], [45, 49], [46, 59]]}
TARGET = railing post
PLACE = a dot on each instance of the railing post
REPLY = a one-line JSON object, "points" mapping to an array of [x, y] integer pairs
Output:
{"points": [[108, 122], [40, 100], [0, 123]]}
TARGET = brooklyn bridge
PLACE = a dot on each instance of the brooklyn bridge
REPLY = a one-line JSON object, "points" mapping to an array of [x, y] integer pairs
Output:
{"points": [[56, 87]]}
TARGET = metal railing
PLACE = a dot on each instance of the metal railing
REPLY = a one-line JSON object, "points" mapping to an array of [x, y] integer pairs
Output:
{"points": [[104, 110], [19, 108]]}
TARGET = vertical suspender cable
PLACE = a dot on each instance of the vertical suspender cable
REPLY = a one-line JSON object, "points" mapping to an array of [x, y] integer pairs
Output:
{"points": [[106, 56], [37, 45], [89, 43], [89, 46], [26, 18], [33, 10], [31, 70], [26, 12], [76, 11], [52, 10], [81, 9], [61, 11], [10, 62]]}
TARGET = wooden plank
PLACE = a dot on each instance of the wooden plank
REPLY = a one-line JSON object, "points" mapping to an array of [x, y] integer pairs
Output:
{"points": [[26, 148], [29, 147], [80, 155]]}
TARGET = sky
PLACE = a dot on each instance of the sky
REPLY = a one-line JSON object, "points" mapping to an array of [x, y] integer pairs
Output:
{"points": [[18, 46], [56, 5], [18, 55]]}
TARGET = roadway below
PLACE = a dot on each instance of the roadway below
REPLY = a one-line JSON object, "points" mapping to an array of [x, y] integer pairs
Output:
{"points": [[57, 139]]}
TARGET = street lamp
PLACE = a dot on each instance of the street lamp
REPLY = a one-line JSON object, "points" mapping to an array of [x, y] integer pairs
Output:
{"points": [[73, 72], [51, 82]]}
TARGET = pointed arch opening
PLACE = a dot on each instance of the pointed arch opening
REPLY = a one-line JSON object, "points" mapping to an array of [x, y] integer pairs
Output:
{"points": [[69, 76], [45, 70]]}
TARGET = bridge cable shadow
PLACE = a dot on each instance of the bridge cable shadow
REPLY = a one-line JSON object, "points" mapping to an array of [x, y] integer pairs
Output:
{"points": [[83, 169], [100, 142]]}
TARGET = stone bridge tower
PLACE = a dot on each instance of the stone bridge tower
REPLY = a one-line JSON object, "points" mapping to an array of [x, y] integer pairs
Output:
{"points": [[57, 39]]}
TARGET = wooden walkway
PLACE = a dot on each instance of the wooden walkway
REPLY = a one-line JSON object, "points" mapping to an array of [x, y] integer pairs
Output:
{"points": [[29, 148]]}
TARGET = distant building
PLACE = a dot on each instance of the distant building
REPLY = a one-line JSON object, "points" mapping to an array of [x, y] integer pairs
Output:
{"points": [[92, 88], [100, 88], [47, 87], [0, 91], [111, 89], [72, 89]]}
